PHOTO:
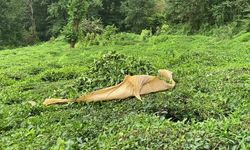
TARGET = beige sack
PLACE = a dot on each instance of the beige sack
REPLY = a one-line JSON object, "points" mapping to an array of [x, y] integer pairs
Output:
{"points": [[131, 86]]}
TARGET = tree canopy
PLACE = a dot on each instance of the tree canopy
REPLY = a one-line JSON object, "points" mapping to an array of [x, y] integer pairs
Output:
{"points": [[29, 21]]}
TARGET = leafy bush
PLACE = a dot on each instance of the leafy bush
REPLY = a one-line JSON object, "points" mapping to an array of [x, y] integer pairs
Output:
{"points": [[107, 36], [110, 69], [126, 39], [227, 31], [16, 75], [88, 26], [164, 29], [90, 39], [224, 32], [59, 74], [6, 81], [159, 39], [208, 108], [196, 14], [110, 37], [244, 37], [70, 35], [146, 34], [109, 31]]}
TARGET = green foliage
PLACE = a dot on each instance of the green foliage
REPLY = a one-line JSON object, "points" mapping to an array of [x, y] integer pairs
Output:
{"points": [[57, 16], [208, 108], [124, 39], [12, 16], [138, 13], [96, 35], [145, 34], [77, 10], [164, 29], [70, 34], [94, 6], [244, 37], [211, 13], [60, 74], [89, 27], [108, 37], [230, 30], [111, 69], [227, 11], [109, 32], [111, 13], [27, 22], [6, 81]]}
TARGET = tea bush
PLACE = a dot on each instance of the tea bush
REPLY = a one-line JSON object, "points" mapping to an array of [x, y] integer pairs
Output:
{"points": [[6, 81], [111, 69], [208, 108], [111, 37], [124, 39], [60, 74]]}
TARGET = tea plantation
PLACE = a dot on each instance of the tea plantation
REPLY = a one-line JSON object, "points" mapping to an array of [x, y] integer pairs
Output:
{"points": [[208, 109]]}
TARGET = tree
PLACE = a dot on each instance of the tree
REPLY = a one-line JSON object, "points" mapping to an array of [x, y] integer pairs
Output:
{"points": [[229, 10], [57, 16], [191, 12], [77, 10], [12, 16], [33, 32], [111, 13], [23, 22], [138, 13], [196, 13]]}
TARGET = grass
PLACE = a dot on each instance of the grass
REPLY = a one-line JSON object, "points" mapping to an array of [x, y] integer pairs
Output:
{"points": [[208, 109]]}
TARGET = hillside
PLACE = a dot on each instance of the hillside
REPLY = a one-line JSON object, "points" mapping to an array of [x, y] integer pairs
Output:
{"points": [[208, 108]]}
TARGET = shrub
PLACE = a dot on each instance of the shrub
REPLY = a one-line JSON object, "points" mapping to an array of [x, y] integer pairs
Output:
{"points": [[90, 39], [98, 38], [109, 31], [163, 30], [125, 39], [53, 75], [244, 37], [110, 37], [110, 69], [69, 35], [16, 75], [88, 26], [5, 81], [145, 34]]}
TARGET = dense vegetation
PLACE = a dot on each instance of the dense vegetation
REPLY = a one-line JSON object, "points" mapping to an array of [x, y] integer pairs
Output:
{"points": [[205, 43], [26, 22], [208, 109]]}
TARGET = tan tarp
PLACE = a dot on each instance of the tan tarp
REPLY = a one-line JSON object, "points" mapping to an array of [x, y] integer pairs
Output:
{"points": [[131, 86]]}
